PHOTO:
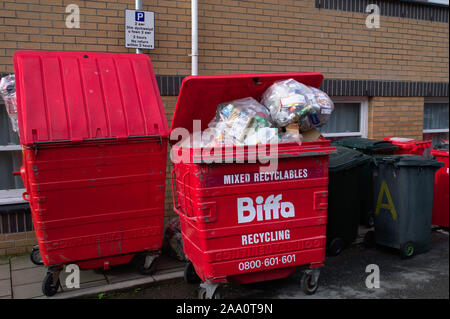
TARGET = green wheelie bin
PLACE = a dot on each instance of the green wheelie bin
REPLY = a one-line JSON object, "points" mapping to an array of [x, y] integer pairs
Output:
{"points": [[344, 192], [403, 202], [369, 147]]}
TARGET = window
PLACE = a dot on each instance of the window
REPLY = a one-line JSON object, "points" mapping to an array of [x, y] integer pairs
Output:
{"points": [[349, 118], [11, 187], [435, 120]]}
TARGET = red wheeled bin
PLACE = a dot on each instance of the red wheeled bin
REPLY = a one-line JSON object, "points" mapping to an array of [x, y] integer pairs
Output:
{"points": [[441, 182], [409, 146], [94, 138], [240, 224]]}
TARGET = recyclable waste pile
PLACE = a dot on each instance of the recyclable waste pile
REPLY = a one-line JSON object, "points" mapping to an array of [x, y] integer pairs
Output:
{"points": [[8, 93], [286, 110]]}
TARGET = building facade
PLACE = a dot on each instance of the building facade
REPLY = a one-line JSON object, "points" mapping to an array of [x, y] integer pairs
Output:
{"points": [[385, 66]]}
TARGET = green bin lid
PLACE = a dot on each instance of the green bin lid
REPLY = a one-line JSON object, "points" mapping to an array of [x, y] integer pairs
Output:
{"points": [[346, 158], [366, 144], [407, 160]]}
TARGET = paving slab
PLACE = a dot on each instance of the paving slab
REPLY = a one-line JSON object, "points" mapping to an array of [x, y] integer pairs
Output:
{"points": [[5, 288], [4, 272], [22, 262], [28, 291], [28, 276], [4, 260]]}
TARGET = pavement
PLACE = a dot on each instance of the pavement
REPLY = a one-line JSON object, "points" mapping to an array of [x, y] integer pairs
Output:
{"points": [[343, 277], [21, 279], [424, 276]]}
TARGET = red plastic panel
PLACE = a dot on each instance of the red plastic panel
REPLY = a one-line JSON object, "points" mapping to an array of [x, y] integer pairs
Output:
{"points": [[409, 147], [200, 95], [97, 200], [441, 191], [74, 96]]}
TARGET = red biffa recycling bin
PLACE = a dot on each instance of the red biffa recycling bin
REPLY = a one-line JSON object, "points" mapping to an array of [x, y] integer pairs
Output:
{"points": [[94, 138], [240, 223]]}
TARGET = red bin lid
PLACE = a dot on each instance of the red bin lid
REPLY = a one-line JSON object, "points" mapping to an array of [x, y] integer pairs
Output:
{"points": [[76, 96], [200, 95]]}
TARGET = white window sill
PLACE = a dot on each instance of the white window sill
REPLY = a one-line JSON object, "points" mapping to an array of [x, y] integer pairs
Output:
{"points": [[9, 148], [12, 196], [444, 130], [346, 134]]}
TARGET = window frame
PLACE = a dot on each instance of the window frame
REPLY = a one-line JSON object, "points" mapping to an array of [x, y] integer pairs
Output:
{"points": [[434, 100], [363, 115]]}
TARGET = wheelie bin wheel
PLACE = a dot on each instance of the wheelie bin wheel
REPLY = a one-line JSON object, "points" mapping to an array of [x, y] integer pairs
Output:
{"points": [[407, 250], [145, 264], [190, 276], [49, 287], [336, 246], [370, 220], [369, 239], [310, 281], [202, 294], [35, 256]]}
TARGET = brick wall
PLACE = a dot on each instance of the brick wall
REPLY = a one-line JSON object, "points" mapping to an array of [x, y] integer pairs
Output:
{"points": [[239, 36], [17, 243], [396, 116]]}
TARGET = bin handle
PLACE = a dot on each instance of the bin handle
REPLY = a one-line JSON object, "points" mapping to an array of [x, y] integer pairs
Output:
{"points": [[184, 190], [174, 197], [26, 196], [177, 207]]}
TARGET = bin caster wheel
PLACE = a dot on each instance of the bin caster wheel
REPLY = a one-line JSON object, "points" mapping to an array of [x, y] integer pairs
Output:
{"points": [[35, 256], [407, 250], [145, 264], [202, 294], [190, 276], [370, 220], [310, 281], [49, 286], [209, 291], [369, 239], [336, 246]]}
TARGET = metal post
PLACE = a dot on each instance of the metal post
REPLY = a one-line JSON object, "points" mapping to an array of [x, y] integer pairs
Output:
{"points": [[194, 36], [138, 6]]}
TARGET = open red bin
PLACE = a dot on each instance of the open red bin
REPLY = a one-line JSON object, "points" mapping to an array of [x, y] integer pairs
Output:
{"points": [[409, 146], [240, 224], [94, 138], [441, 183]]}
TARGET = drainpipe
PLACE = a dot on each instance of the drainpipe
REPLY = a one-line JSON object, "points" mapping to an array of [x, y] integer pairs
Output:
{"points": [[138, 6], [194, 36]]}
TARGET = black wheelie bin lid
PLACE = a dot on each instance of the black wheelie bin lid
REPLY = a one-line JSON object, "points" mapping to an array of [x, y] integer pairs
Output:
{"points": [[346, 158], [366, 145], [407, 160]]}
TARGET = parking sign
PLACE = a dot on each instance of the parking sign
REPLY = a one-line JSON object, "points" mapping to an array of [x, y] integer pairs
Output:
{"points": [[139, 29]]}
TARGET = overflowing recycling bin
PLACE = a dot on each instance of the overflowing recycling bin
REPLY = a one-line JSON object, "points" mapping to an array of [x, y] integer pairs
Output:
{"points": [[403, 201], [410, 146], [369, 147], [239, 222], [441, 192], [344, 195], [94, 137]]}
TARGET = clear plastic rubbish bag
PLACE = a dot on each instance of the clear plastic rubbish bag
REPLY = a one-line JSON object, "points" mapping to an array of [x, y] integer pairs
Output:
{"points": [[8, 93], [290, 102]]}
